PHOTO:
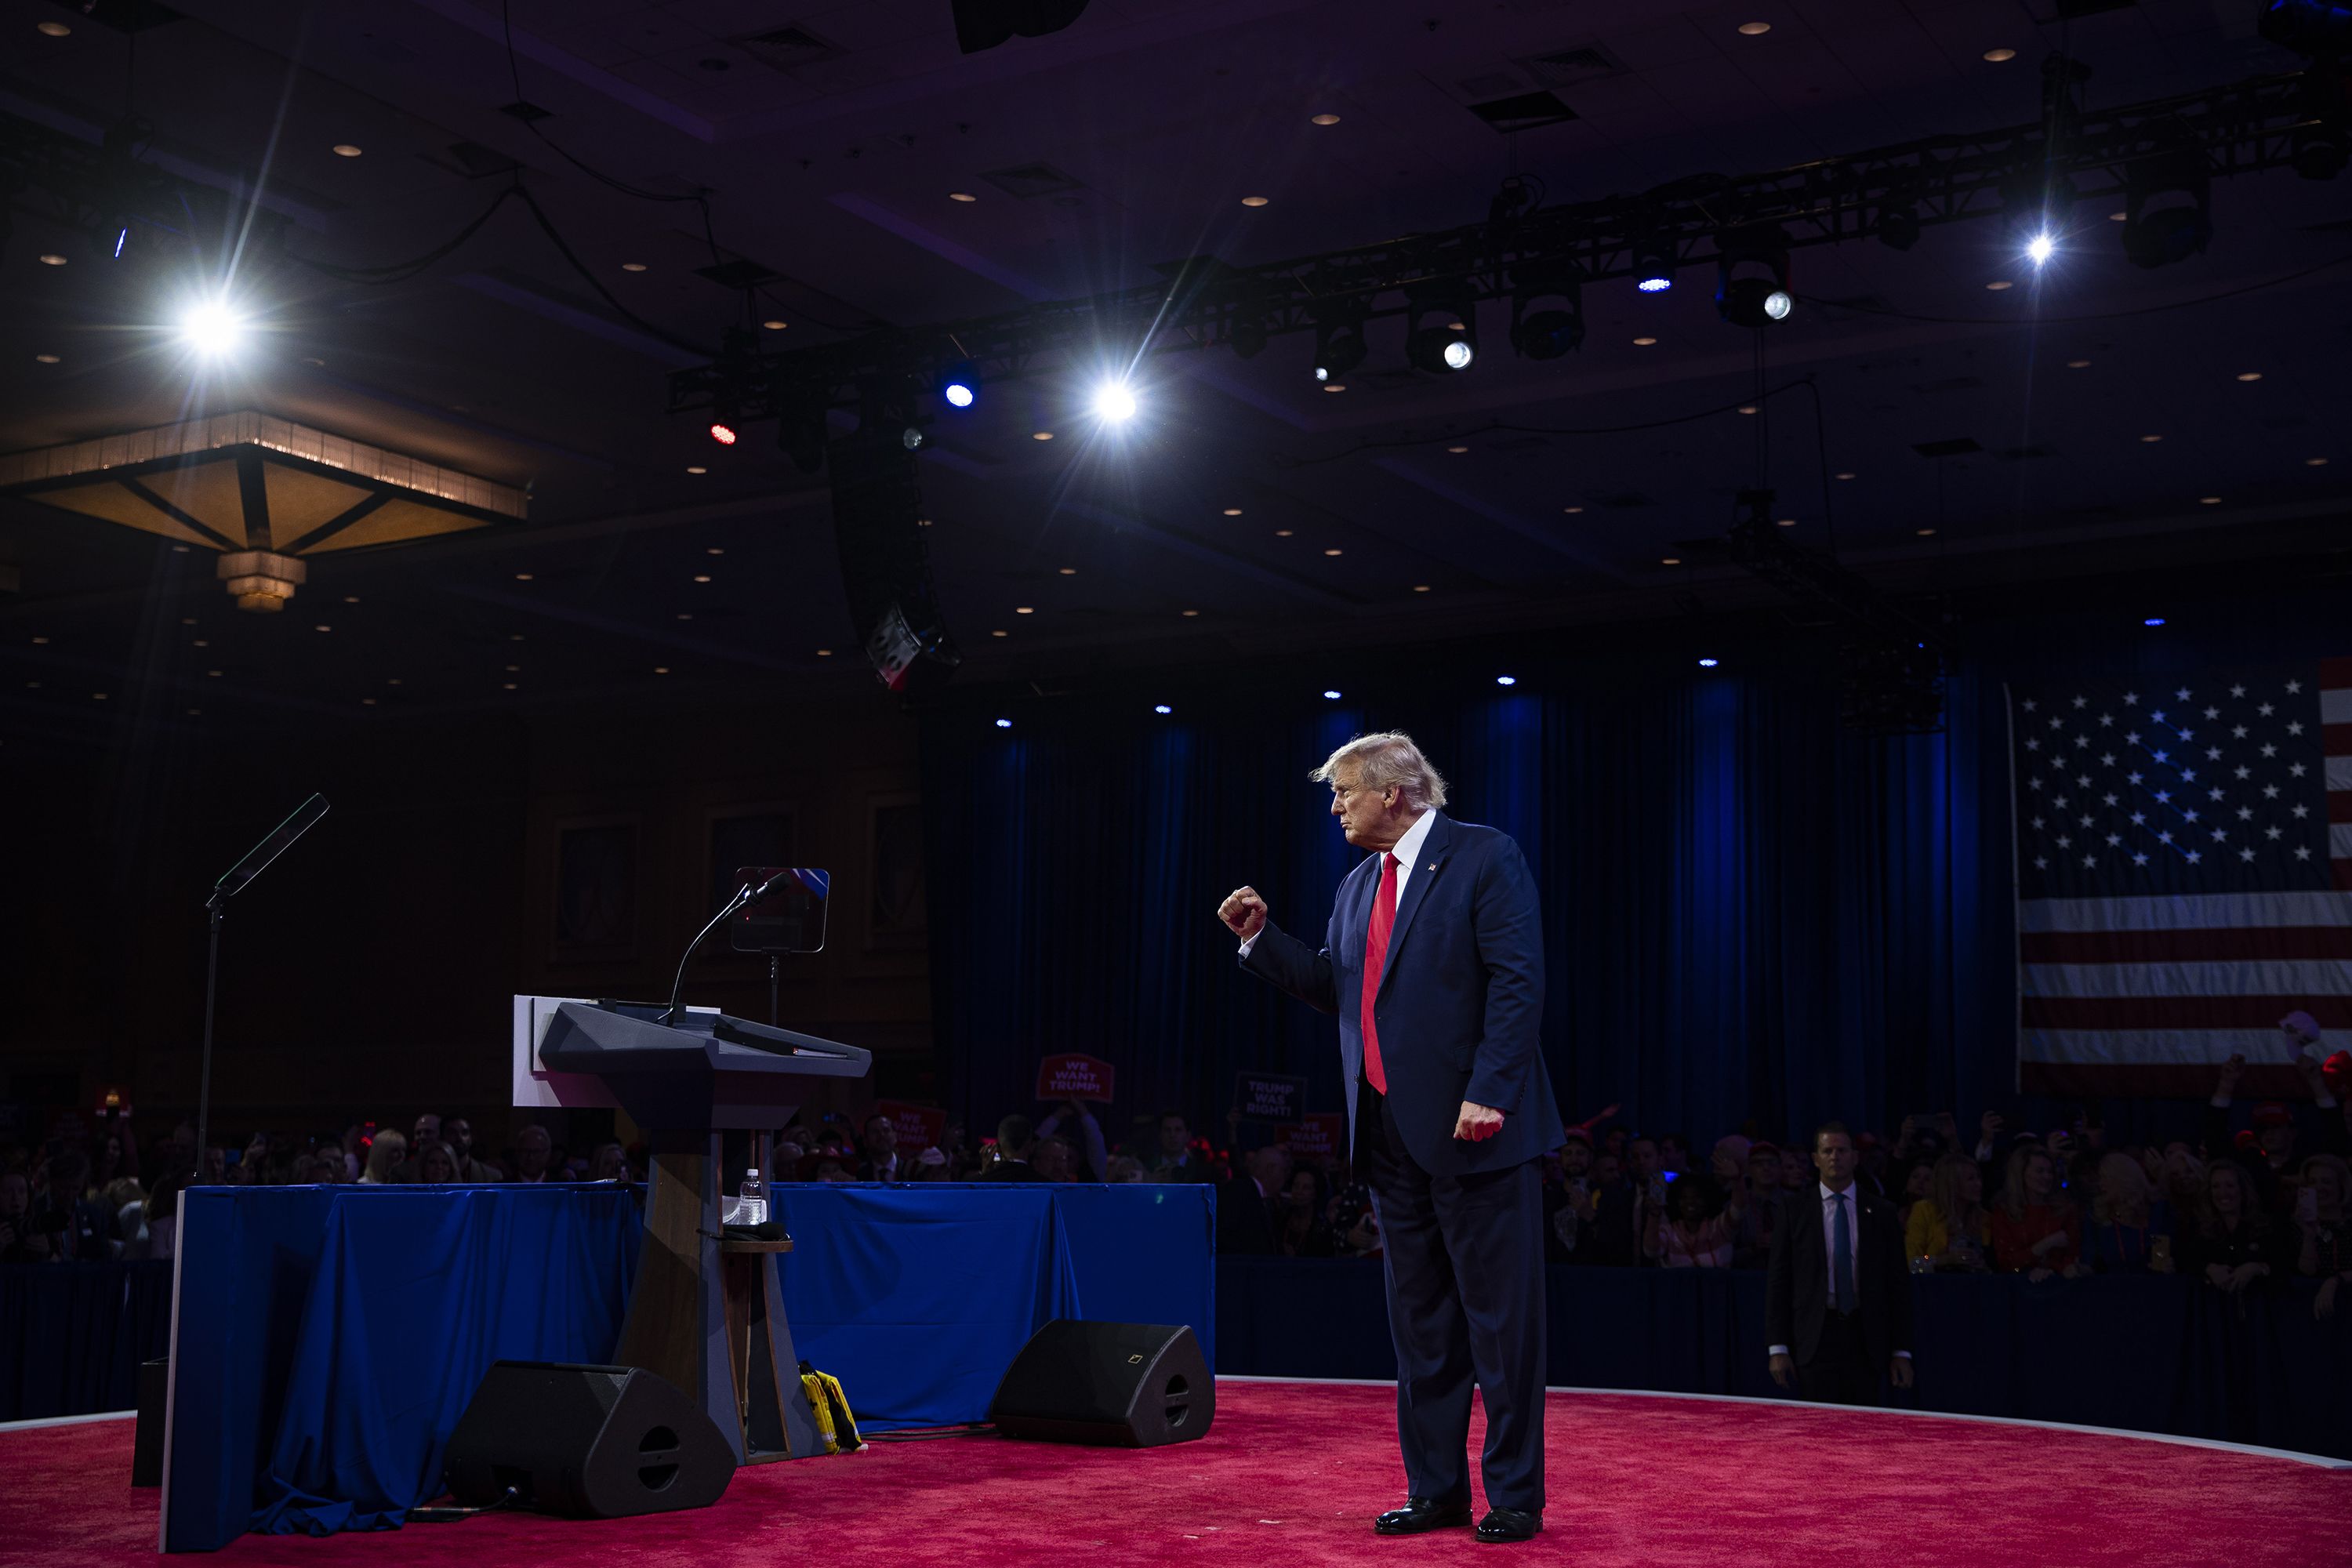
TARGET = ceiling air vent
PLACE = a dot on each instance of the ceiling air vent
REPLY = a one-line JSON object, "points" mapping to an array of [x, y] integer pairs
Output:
{"points": [[1028, 179], [1958, 447], [1566, 68], [1524, 111], [788, 48]]}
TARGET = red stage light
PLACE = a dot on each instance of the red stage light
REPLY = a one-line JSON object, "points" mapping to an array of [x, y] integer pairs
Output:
{"points": [[722, 433]]}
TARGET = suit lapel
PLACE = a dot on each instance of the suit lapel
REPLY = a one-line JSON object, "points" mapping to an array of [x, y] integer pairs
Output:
{"points": [[1433, 851]]}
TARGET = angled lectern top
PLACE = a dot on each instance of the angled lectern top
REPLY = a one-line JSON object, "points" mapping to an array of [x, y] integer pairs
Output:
{"points": [[708, 1309]]}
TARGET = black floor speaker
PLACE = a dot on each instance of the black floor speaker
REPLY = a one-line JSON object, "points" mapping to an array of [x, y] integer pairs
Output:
{"points": [[1128, 1386], [147, 1434], [586, 1442]]}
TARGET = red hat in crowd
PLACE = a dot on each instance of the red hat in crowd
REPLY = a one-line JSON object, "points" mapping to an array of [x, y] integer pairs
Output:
{"points": [[1762, 1146], [2272, 1114]]}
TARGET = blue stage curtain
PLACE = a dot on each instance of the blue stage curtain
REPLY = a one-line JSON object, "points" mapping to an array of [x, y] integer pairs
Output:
{"points": [[2136, 1352], [1751, 910]]}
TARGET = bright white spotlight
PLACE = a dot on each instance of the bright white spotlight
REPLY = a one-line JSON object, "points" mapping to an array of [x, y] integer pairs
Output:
{"points": [[212, 329], [1114, 404], [1458, 355], [2039, 248]]}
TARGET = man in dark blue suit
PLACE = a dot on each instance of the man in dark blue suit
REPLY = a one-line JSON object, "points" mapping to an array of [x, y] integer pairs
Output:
{"points": [[1433, 962]]}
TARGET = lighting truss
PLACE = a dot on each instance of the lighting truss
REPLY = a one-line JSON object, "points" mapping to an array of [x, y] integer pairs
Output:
{"points": [[1202, 303]]}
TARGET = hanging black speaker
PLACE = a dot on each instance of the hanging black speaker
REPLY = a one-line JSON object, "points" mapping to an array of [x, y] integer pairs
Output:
{"points": [[1127, 1386], [886, 574], [586, 1442]]}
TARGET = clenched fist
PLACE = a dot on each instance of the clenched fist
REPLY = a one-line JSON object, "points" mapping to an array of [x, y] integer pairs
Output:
{"points": [[1244, 912]]}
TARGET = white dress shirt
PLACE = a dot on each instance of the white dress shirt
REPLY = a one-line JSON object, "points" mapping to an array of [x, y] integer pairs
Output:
{"points": [[1852, 1196], [1407, 849]]}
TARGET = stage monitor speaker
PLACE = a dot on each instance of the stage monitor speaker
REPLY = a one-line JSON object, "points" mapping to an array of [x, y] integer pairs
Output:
{"points": [[1129, 1386], [147, 1435], [587, 1442]]}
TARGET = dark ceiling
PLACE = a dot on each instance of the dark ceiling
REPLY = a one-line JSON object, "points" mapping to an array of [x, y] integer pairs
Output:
{"points": [[2104, 404]]}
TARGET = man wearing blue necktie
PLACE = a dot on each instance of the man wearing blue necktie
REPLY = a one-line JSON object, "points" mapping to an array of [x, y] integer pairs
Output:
{"points": [[1837, 1291], [1433, 963]]}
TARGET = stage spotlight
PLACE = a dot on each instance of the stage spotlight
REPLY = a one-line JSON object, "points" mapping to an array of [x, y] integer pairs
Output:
{"points": [[2320, 29], [1898, 226], [1332, 696], [723, 433], [1339, 343], [1161, 707], [1708, 663], [2168, 208], [2035, 203], [1654, 265], [1114, 403], [911, 437], [2320, 151], [1548, 334], [212, 328], [2153, 621], [1507, 680], [2040, 248], [1751, 278], [1004, 723], [959, 388], [1446, 348]]}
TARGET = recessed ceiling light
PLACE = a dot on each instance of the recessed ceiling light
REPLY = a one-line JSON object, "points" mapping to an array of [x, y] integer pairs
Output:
{"points": [[999, 634], [2250, 375], [1335, 386], [351, 598], [1254, 201], [714, 550], [825, 653], [1331, 553], [51, 258], [52, 29], [2151, 438], [1671, 561], [632, 266], [40, 639], [1281, 533], [1926, 531], [1786, 521], [1324, 119], [1024, 610], [214, 673], [686, 614], [962, 196], [2119, 218], [346, 150], [187, 620], [2078, 364], [1998, 284], [508, 685], [514, 669], [1233, 511], [320, 362], [200, 642], [367, 701], [696, 468], [1755, 29], [775, 326], [1748, 408], [1069, 570], [514, 637], [1192, 611], [2315, 462], [97, 696], [2209, 501], [45, 359], [1998, 56], [1040, 436], [1457, 449], [1846, 476], [1644, 343], [702, 577], [661, 670], [394, 681], [1421, 587], [1572, 511]]}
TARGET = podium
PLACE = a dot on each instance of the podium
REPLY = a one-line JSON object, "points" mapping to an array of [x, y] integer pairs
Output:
{"points": [[708, 1312]]}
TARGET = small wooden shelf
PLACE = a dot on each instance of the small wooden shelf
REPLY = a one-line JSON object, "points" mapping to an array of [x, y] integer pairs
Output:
{"points": [[731, 1246]]}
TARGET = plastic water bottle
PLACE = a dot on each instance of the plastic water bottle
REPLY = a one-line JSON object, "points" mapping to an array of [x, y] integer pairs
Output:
{"points": [[752, 1209]]}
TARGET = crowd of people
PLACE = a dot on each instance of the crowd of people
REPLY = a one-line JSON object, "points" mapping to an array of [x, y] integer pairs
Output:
{"points": [[2239, 1207]]}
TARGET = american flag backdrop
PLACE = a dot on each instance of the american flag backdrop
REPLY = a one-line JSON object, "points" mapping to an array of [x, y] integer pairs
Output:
{"points": [[2184, 877]]}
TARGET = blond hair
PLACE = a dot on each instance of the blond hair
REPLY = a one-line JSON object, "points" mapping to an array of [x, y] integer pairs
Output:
{"points": [[1385, 759]]}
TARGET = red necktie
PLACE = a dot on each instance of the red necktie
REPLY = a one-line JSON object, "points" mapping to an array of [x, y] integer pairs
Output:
{"points": [[1376, 957]]}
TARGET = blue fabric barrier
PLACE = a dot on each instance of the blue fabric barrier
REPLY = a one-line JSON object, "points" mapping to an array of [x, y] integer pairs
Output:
{"points": [[72, 1335], [919, 1297], [2138, 1351], [331, 1337]]}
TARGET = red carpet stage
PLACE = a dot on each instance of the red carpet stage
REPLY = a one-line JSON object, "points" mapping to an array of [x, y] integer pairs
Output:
{"points": [[1292, 1473]]}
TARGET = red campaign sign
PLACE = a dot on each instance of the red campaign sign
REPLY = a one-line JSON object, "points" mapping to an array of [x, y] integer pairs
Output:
{"points": [[1075, 1076], [1322, 1136], [920, 1127]]}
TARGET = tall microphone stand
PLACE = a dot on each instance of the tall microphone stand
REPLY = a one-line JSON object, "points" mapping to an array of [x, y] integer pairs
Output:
{"points": [[216, 907]]}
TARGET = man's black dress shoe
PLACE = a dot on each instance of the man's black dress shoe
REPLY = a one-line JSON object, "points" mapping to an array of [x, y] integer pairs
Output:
{"points": [[1510, 1524], [1419, 1513]]}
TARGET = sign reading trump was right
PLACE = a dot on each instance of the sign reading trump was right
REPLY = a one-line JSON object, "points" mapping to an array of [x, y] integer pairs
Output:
{"points": [[1270, 1096]]}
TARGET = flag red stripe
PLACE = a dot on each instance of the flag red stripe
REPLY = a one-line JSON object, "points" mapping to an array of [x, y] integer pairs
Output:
{"points": [[2343, 874], [2180, 1012], [2339, 805], [2336, 672], [2185, 946], [2335, 740], [2096, 1081]]}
